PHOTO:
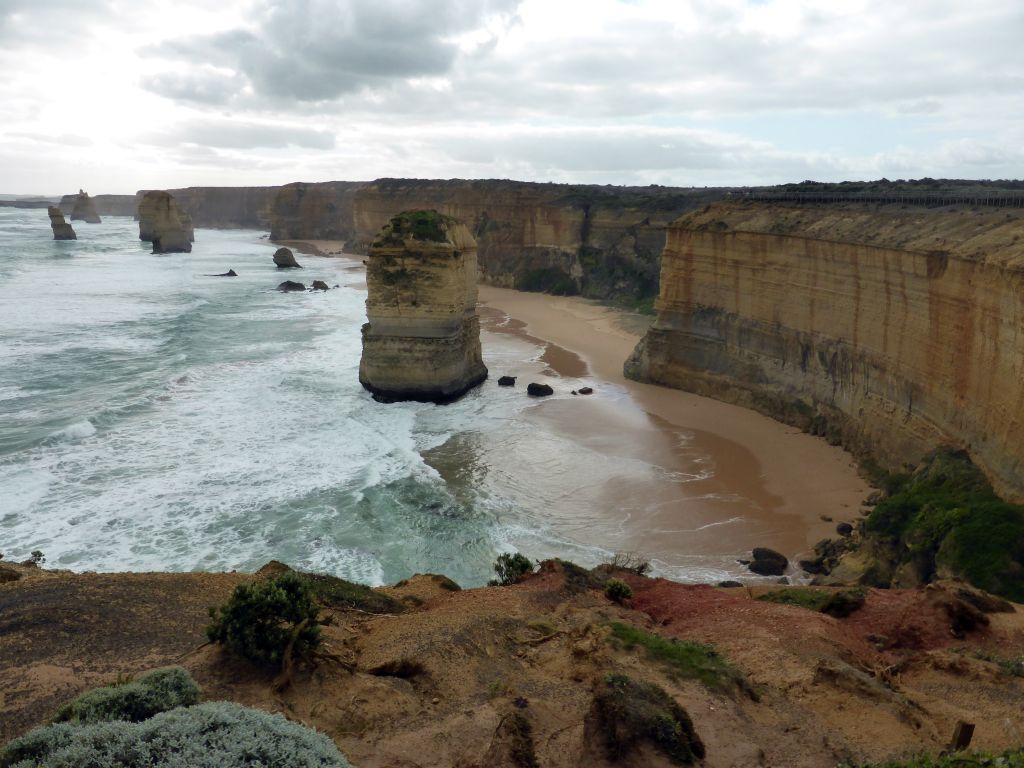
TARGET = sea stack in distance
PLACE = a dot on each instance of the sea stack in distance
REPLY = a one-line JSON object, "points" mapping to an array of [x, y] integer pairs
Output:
{"points": [[162, 223], [61, 229], [85, 209], [422, 341]]}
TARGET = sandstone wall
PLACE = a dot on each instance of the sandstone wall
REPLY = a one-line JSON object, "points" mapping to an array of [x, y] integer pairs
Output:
{"points": [[106, 205], [602, 242], [164, 224], [225, 207], [891, 330]]}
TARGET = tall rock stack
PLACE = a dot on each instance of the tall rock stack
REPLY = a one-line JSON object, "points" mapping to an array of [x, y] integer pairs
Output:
{"points": [[422, 341], [85, 209], [161, 223], [61, 229]]}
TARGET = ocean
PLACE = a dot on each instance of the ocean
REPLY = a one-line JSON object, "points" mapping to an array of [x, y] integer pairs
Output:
{"points": [[154, 417]]}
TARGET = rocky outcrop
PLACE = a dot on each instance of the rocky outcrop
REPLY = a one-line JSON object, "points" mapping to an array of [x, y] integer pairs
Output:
{"points": [[105, 205], [226, 207], [321, 211], [161, 223], [85, 209], [888, 329], [61, 229], [602, 242], [285, 259], [422, 341]]}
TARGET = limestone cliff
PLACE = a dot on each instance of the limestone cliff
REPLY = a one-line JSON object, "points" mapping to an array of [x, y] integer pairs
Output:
{"points": [[161, 223], [889, 329], [316, 211], [84, 209], [105, 205], [422, 341], [601, 242], [61, 229], [224, 207]]}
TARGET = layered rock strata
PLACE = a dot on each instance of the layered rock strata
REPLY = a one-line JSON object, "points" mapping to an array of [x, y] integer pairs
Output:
{"points": [[162, 223], [61, 229], [323, 211], [891, 330], [602, 242], [85, 209], [422, 341]]}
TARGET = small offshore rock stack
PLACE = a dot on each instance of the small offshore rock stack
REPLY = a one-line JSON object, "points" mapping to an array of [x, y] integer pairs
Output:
{"points": [[61, 229], [163, 224], [422, 341], [85, 209]]}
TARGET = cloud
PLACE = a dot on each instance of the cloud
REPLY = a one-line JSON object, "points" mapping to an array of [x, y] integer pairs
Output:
{"points": [[233, 134], [207, 86], [316, 50]]}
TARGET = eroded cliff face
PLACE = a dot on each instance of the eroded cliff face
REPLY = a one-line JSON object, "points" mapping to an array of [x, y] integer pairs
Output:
{"points": [[225, 207], [422, 341], [601, 242], [321, 211], [84, 209], [891, 330]]}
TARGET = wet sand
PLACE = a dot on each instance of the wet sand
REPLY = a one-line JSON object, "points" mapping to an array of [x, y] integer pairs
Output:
{"points": [[744, 480]]}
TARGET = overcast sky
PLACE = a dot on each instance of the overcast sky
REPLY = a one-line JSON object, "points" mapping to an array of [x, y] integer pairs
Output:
{"points": [[116, 95]]}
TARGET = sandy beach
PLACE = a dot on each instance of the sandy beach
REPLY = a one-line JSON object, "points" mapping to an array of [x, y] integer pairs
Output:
{"points": [[714, 480], [769, 484]]}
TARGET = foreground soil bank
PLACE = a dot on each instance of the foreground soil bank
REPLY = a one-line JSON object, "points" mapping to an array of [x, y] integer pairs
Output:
{"points": [[437, 684]]}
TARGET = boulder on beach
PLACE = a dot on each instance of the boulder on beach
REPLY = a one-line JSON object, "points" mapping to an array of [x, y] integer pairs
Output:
{"points": [[768, 562], [61, 229], [844, 529], [507, 381], [539, 390], [320, 285], [291, 285], [586, 390], [85, 209], [285, 259]]}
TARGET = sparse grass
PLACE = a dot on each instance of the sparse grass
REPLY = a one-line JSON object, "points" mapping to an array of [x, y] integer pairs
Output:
{"points": [[682, 658], [838, 604]]}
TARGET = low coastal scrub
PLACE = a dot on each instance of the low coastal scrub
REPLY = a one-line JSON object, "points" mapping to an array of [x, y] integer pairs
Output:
{"points": [[268, 622], [837, 604], [334, 592], [429, 226], [510, 568], [682, 658], [1012, 759], [214, 735], [946, 519], [134, 701], [630, 712], [617, 590]]}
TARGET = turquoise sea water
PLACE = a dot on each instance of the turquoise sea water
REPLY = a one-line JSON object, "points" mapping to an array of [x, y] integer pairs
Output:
{"points": [[155, 418]]}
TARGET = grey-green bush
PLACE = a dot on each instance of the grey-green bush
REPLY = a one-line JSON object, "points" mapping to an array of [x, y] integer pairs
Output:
{"points": [[213, 735], [156, 691]]}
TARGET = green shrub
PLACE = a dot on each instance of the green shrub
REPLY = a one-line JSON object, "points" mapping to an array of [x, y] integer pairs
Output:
{"points": [[261, 619], [947, 515], [617, 590], [154, 692], [682, 658], [335, 592], [510, 569], [214, 735], [838, 604], [631, 712]]}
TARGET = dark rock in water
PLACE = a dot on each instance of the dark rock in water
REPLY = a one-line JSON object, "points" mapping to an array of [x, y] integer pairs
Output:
{"points": [[730, 584], [844, 529], [507, 381], [816, 566], [289, 285], [586, 390], [320, 285], [229, 273], [85, 209], [539, 390], [285, 259], [783, 580], [61, 229], [574, 392], [768, 562]]}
